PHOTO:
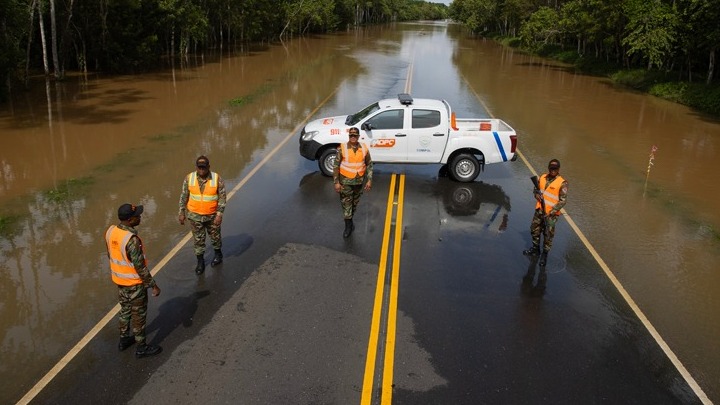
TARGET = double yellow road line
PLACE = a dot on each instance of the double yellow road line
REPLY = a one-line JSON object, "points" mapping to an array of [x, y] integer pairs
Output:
{"points": [[385, 352]]}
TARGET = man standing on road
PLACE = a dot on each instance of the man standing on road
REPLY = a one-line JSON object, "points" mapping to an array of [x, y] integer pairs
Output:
{"points": [[553, 190], [128, 268], [352, 172], [202, 201]]}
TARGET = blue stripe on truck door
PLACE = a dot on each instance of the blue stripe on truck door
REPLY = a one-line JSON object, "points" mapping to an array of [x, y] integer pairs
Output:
{"points": [[500, 146]]}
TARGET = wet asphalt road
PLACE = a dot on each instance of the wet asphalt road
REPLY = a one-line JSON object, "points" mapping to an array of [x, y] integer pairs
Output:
{"points": [[286, 318]]}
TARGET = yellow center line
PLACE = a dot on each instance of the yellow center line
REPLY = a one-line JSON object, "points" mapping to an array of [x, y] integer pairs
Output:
{"points": [[377, 307], [408, 78], [372, 352], [393, 304]]}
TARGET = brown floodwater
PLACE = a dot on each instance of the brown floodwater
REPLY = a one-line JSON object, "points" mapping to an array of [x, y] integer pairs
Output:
{"points": [[71, 153], [655, 222]]}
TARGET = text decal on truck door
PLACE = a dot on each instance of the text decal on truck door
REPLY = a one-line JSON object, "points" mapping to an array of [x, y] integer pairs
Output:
{"points": [[382, 143]]}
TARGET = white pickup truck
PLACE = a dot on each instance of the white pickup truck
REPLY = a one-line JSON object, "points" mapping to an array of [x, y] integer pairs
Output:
{"points": [[407, 130]]}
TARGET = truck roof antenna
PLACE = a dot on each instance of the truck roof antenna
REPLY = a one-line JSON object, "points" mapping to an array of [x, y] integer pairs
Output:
{"points": [[405, 99]]}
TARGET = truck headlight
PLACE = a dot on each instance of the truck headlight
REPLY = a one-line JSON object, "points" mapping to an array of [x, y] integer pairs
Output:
{"points": [[308, 136]]}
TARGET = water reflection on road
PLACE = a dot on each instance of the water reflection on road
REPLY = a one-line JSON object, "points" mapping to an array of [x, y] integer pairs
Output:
{"points": [[657, 231], [71, 154], [124, 140]]}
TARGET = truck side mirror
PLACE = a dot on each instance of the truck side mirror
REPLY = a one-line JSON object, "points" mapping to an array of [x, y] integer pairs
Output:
{"points": [[366, 126]]}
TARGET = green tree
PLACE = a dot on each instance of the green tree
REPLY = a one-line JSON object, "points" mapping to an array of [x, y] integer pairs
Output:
{"points": [[186, 19], [700, 34], [541, 29], [512, 15], [651, 30], [13, 29]]}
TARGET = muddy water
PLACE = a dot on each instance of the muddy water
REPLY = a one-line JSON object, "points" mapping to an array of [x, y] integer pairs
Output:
{"points": [[655, 222], [70, 154], [69, 162]]}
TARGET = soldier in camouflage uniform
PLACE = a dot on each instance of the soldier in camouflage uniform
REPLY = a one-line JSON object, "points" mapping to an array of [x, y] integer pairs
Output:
{"points": [[352, 173], [553, 192], [129, 271], [202, 201]]}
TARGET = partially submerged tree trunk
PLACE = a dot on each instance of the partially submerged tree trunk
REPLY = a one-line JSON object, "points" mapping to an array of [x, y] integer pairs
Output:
{"points": [[29, 43], [53, 31], [42, 40], [711, 67]]}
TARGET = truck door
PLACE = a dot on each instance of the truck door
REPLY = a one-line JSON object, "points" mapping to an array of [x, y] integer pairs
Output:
{"points": [[385, 135], [426, 136]]}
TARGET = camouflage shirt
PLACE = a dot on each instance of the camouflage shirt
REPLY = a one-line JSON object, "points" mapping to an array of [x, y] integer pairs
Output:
{"points": [[339, 178], [185, 196], [136, 254]]}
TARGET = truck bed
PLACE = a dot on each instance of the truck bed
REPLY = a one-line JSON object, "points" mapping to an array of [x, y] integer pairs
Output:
{"points": [[481, 124]]}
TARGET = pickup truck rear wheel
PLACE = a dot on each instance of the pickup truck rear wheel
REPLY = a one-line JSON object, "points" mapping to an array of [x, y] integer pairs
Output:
{"points": [[464, 168], [327, 160]]}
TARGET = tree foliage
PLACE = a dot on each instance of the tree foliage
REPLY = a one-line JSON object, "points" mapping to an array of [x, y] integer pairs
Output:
{"points": [[666, 35], [13, 29], [127, 36]]}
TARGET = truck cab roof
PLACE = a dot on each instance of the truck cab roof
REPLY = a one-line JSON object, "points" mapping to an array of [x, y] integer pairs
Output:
{"points": [[405, 100]]}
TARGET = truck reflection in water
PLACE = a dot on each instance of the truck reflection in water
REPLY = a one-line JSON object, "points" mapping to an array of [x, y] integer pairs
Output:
{"points": [[474, 204]]}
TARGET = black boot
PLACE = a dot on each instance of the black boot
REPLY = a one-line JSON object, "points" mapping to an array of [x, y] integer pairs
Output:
{"points": [[543, 258], [147, 350], [533, 251], [217, 259], [125, 342], [349, 227], [200, 268]]}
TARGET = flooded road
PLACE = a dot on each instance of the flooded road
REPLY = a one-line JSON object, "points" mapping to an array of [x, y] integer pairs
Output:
{"points": [[71, 154], [659, 233]]}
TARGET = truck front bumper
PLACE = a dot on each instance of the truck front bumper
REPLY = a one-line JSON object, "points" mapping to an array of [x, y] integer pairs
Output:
{"points": [[309, 149]]}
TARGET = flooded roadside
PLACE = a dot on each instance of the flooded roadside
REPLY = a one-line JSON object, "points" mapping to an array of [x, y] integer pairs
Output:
{"points": [[653, 219], [68, 161], [67, 164]]}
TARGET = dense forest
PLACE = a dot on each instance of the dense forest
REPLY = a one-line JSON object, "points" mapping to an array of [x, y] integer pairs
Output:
{"points": [[131, 36], [665, 47]]}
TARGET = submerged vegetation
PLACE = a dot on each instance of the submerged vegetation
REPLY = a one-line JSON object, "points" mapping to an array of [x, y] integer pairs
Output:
{"points": [[6, 225], [68, 189], [259, 92], [664, 47]]}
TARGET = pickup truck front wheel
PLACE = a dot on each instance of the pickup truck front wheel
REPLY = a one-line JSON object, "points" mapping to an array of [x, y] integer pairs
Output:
{"points": [[464, 168], [327, 160]]}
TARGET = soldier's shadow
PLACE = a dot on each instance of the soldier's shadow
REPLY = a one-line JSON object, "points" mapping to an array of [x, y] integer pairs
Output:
{"points": [[173, 313], [236, 245], [530, 288]]}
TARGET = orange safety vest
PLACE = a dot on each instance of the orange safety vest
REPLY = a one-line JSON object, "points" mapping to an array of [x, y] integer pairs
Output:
{"points": [[203, 202], [551, 192], [121, 267], [353, 164]]}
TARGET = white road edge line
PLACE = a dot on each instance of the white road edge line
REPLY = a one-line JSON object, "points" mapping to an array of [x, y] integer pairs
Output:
{"points": [[45, 380], [638, 312]]}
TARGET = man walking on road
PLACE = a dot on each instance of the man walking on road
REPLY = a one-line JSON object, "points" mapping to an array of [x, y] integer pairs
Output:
{"points": [[128, 268], [202, 201], [553, 196], [352, 172]]}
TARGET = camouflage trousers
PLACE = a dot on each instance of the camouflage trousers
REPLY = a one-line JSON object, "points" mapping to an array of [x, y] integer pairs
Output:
{"points": [[199, 230], [536, 228], [133, 311], [349, 198]]}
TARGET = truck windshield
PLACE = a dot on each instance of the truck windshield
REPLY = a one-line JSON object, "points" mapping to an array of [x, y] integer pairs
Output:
{"points": [[353, 119]]}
